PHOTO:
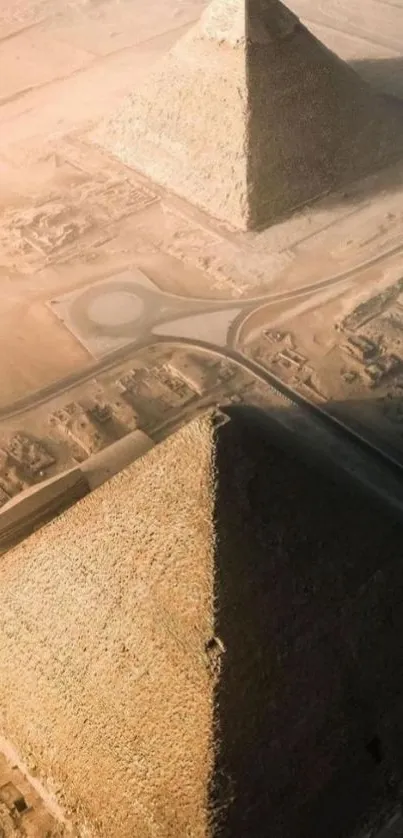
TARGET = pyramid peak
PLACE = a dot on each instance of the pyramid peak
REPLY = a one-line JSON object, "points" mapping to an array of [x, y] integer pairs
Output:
{"points": [[237, 21], [224, 20]]}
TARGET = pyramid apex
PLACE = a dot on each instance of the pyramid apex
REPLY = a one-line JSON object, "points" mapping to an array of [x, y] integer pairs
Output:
{"points": [[224, 20], [237, 21]]}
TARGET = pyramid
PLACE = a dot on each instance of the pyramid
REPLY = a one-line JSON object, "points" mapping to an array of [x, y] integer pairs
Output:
{"points": [[249, 117], [206, 645]]}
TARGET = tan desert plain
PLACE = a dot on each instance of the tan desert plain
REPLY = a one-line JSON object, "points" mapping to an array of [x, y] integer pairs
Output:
{"points": [[201, 205]]}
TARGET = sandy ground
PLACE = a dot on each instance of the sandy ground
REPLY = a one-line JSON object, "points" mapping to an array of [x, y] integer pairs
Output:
{"points": [[70, 215]]}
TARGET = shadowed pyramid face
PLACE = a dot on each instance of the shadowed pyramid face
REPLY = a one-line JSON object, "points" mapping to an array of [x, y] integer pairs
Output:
{"points": [[268, 21]]}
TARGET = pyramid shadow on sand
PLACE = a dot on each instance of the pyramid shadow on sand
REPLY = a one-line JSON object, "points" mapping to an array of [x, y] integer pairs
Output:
{"points": [[384, 74], [250, 117]]}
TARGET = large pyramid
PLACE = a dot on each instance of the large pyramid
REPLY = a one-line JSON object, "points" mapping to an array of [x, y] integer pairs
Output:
{"points": [[250, 116], [209, 646]]}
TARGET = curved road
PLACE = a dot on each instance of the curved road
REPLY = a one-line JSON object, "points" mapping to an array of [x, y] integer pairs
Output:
{"points": [[199, 306], [287, 394], [163, 308]]}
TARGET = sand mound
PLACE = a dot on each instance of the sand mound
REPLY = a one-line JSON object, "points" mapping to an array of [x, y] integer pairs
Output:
{"points": [[250, 117]]}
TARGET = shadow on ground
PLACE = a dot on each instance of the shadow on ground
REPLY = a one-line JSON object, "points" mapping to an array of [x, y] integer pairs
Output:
{"points": [[378, 419], [386, 78], [309, 596], [384, 74]]}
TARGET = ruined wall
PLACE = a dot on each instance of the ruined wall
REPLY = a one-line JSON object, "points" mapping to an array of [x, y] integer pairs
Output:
{"points": [[105, 614]]}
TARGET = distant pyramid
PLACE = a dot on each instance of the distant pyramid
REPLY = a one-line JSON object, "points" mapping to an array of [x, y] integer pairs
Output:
{"points": [[250, 116]]}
